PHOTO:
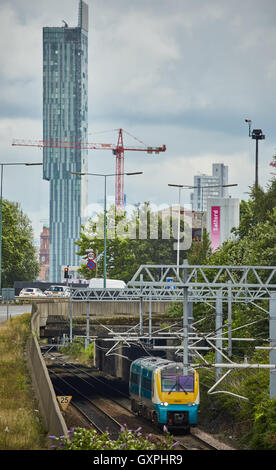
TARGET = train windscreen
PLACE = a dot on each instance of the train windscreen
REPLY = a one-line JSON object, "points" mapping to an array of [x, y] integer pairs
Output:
{"points": [[177, 382]]}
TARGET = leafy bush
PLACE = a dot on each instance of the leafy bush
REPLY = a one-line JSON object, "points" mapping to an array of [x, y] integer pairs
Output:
{"points": [[90, 439], [77, 350], [264, 429], [175, 310]]}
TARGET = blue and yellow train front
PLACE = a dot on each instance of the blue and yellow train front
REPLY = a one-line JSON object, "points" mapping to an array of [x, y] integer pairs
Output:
{"points": [[176, 398]]}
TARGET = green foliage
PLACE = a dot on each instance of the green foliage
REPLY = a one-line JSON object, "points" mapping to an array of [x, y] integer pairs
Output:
{"points": [[128, 244], [257, 247], [256, 415], [200, 250], [77, 350], [264, 429], [21, 426], [89, 439], [175, 310], [19, 261]]}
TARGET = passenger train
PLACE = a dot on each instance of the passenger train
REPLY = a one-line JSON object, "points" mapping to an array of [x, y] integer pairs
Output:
{"points": [[160, 392]]}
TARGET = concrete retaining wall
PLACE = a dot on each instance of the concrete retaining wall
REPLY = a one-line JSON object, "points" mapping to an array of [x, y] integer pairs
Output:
{"points": [[61, 307], [42, 384]]}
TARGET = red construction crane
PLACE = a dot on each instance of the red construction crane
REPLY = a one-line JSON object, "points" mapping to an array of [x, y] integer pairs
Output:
{"points": [[118, 150]]}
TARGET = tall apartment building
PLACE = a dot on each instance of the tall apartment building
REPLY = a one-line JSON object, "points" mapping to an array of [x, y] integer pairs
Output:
{"points": [[65, 118], [204, 186]]}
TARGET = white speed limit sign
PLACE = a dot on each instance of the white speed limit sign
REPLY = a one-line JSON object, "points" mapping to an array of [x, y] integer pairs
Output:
{"points": [[91, 255]]}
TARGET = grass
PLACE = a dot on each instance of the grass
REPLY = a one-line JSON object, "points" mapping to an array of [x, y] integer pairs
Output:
{"points": [[20, 421], [77, 350]]}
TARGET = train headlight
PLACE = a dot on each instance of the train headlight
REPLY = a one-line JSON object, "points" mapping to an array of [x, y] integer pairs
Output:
{"points": [[166, 403]]}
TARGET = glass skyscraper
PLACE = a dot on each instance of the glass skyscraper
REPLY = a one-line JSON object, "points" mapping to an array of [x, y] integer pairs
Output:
{"points": [[65, 119]]}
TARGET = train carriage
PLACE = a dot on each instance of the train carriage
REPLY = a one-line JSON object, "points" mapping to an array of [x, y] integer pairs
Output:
{"points": [[160, 392]]}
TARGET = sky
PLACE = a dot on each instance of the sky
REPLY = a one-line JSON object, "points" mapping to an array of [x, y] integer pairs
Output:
{"points": [[174, 72]]}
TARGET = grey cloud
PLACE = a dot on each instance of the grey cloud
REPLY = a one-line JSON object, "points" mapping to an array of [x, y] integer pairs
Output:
{"points": [[176, 72]]}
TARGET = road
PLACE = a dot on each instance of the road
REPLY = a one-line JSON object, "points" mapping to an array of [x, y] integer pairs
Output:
{"points": [[13, 310]]}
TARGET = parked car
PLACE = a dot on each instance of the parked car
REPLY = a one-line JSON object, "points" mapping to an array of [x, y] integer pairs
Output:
{"points": [[34, 291], [56, 291]]}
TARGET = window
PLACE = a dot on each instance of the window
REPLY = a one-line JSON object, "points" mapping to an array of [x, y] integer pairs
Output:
{"points": [[177, 383], [134, 378], [146, 383]]}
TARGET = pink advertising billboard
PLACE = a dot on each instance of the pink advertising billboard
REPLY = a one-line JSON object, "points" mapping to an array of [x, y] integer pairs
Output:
{"points": [[215, 227]]}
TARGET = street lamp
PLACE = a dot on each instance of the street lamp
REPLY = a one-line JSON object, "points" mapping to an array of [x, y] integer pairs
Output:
{"points": [[213, 186], [105, 176], [179, 186], [1, 201], [256, 134]]}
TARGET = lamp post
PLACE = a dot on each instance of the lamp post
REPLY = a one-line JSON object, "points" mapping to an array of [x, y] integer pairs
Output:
{"points": [[179, 186], [256, 134], [1, 204], [105, 176]]}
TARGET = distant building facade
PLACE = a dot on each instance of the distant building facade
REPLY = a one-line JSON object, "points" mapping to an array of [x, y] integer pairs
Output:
{"points": [[223, 214], [209, 186], [65, 119], [44, 253], [195, 221]]}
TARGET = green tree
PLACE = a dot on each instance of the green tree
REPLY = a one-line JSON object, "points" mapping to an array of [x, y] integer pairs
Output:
{"points": [[19, 260], [119, 257], [131, 241], [258, 208], [200, 250], [257, 247]]}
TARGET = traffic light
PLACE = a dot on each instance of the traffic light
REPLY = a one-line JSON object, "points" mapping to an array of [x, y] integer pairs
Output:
{"points": [[66, 273]]}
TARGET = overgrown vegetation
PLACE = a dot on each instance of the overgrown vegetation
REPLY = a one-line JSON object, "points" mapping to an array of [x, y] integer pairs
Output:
{"points": [[89, 439], [235, 417], [77, 350], [20, 422]]}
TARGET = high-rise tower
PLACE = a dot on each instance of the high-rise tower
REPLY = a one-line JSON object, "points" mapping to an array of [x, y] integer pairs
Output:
{"points": [[65, 118], [209, 186]]}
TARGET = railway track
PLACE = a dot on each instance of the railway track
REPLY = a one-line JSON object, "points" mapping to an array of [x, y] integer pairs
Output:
{"points": [[105, 405], [93, 414]]}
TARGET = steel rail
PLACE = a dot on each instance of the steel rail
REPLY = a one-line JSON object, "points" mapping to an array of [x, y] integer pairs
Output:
{"points": [[97, 379], [115, 424]]}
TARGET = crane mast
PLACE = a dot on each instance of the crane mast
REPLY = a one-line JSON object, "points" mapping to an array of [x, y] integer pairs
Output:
{"points": [[119, 182]]}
